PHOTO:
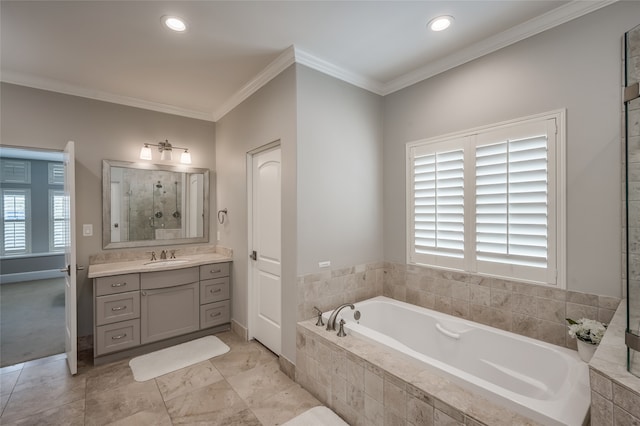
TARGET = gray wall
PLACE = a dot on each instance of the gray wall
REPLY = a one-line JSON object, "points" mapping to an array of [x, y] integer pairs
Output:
{"points": [[101, 130], [576, 66], [267, 116], [339, 173]]}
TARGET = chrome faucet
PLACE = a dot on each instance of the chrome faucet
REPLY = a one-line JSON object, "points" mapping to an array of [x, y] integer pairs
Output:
{"points": [[163, 255], [331, 323], [153, 256]]}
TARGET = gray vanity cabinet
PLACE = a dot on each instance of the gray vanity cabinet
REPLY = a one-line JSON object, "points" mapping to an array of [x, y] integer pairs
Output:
{"points": [[215, 306], [136, 309], [169, 304]]}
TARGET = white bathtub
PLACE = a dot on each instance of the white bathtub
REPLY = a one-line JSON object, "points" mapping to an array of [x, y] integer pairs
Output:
{"points": [[544, 382]]}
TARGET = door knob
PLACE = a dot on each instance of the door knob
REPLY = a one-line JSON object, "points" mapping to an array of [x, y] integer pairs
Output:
{"points": [[254, 255]]}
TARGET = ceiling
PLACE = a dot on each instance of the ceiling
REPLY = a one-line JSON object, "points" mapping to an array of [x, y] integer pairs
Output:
{"points": [[119, 51]]}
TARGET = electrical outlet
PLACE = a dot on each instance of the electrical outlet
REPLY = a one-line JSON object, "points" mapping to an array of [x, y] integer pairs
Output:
{"points": [[87, 230], [324, 264], [218, 237]]}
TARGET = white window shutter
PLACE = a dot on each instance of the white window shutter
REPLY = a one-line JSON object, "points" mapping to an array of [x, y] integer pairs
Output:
{"points": [[15, 171], [438, 206], [15, 212], [511, 202]]}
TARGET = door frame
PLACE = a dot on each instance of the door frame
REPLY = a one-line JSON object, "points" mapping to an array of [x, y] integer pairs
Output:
{"points": [[251, 302]]}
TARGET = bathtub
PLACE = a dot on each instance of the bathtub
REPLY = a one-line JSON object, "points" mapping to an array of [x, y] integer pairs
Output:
{"points": [[544, 382]]}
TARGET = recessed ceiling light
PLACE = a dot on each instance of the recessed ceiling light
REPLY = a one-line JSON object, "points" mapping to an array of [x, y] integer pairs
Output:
{"points": [[175, 23], [440, 23]]}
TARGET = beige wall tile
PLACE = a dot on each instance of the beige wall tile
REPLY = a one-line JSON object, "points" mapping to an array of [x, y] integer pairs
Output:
{"points": [[551, 310], [601, 384], [623, 418], [601, 410], [582, 298], [627, 400], [576, 312], [373, 411]]}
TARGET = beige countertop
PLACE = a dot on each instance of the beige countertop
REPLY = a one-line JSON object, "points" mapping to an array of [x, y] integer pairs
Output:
{"points": [[134, 266]]}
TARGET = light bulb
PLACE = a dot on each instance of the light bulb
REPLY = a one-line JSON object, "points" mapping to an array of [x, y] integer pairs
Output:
{"points": [[166, 155], [185, 158]]}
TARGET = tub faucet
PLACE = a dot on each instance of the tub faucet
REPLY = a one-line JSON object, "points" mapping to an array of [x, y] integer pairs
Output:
{"points": [[331, 323]]}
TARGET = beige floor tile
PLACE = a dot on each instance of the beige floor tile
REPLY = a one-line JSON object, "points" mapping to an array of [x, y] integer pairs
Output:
{"points": [[11, 368], [108, 377], [207, 405], [284, 405], [119, 403], [242, 358], [159, 417], [41, 374], [71, 414], [31, 398], [259, 383], [8, 381], [188, 379]]}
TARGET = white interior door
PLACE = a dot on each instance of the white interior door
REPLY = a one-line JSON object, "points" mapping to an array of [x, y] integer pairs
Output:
{"points": [[71, 325], [265, 247]]}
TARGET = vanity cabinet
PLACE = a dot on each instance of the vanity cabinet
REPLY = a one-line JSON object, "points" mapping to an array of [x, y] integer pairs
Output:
{"points": [[141, 308], [215, 305], [169, 304]]}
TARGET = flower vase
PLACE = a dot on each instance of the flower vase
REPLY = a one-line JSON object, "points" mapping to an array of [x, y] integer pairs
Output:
{"points": [[586, 350]]}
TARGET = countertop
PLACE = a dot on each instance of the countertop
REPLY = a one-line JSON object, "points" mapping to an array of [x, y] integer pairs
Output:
{"points": [[134, 266]]}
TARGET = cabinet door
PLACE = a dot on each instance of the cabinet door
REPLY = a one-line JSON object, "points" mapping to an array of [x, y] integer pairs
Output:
{"points": [[168, 312]]}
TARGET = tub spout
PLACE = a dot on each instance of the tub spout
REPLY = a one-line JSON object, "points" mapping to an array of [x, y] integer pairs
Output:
{"points": [[331, 323]]}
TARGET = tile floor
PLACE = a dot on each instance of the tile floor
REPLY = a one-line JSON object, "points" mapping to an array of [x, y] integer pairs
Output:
{"points": [[243, 387]]}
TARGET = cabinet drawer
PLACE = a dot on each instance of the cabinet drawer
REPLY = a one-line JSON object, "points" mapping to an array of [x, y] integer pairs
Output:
{"points": [[117, 284], [214, 290], [117, 307], [214, 270], [214, 314], [163, 279], [117, 336]]}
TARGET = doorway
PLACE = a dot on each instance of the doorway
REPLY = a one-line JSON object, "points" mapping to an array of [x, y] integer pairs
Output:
{"points": [[264, 212], [32, 288]]}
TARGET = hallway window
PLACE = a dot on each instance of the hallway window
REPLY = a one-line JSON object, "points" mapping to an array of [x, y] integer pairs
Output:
{"points": [[58, 220], [490, 201], [15, 225]]}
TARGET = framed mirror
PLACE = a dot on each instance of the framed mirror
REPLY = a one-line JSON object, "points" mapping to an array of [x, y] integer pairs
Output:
{"points": [[152, 204]]}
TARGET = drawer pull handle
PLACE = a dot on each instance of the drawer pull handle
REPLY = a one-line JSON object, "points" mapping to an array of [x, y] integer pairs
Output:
{"points": [[215, 271], [217, 290], [217, 314], [118, 284], [118, 308], [121, 336]]}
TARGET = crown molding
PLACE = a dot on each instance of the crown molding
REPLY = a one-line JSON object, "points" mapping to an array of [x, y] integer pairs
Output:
{"points": [[307, 59], [537, 25], [69, 89], [281, 63]]}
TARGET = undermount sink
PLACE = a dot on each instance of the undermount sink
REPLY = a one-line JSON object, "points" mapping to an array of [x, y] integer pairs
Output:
{"points": [[168, 262]]}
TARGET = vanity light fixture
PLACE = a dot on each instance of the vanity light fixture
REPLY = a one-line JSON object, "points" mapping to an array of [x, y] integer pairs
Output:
{"points": [[440, 23], [174, 23], [166, 150]]}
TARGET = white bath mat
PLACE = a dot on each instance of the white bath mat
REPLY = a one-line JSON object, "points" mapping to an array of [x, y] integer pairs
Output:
{"points": [[166, 360], [317, 416]]}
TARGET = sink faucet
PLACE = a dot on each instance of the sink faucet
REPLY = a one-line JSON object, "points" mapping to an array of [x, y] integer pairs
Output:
{"points": [[331, 323], [163, 254], [153, 256]]}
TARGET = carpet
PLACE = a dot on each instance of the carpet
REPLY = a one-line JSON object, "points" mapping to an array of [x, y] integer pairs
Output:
{"points": [[31, 320], [170, 359], [316, 416]]}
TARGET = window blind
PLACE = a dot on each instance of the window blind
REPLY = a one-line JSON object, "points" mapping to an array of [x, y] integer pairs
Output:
{"points": [[512, 202], [58, 220], [438, 195], [14, 210]]}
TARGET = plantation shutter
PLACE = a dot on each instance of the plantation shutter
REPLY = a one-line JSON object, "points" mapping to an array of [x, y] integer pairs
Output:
{"points": [[438, 205], [15, 171], [511, 202], [56, 174], [14, 210], [57, 220]]}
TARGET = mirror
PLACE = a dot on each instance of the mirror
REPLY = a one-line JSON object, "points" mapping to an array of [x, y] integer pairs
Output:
{"points": [[152, 204]]}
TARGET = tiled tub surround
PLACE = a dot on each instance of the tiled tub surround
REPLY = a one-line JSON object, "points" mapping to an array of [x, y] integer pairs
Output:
{"points": [[530, 310], [615, 393], [366, 385]]}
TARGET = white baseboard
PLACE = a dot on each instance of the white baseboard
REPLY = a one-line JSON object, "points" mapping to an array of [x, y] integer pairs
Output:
{"points": [[30, 276]]}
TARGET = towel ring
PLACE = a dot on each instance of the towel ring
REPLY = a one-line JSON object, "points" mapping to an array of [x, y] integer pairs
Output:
{"points": [[222, 214]]}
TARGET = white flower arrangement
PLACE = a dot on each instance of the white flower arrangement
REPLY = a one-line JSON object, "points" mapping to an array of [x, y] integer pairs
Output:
{"points": [[587, 330]]}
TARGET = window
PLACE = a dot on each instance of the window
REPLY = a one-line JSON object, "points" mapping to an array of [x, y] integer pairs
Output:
{"points": [[15, 227], [15, 171], [58, 220], [490, 200], [56, 173]]}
